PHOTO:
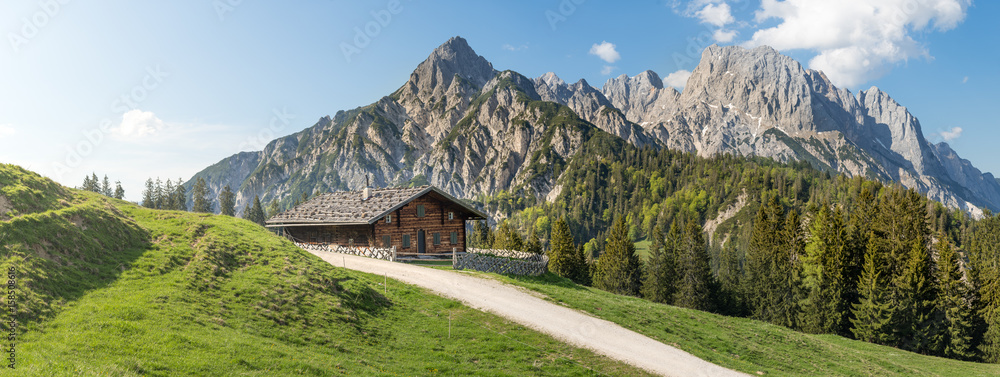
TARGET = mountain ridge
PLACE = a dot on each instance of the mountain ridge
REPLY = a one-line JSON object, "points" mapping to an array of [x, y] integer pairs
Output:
{"points": [[462, 125]]}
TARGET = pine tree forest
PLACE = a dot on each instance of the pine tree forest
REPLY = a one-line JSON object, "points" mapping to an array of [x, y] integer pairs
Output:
{"points": [[791, 244]]}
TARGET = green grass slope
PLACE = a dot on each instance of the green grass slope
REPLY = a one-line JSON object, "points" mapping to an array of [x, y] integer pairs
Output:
{"points": [[747, 345], [109, 288]]}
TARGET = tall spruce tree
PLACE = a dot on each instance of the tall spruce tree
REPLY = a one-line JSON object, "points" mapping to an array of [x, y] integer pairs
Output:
{"points": [[618, 269], [660, 281], [874, 311], [202, 202], [180, 196], [159, 196], [823, 310], [983, 245], [694, 275], [149, 194], [561, 254], [916, 329], [169, 200], [106, 187], [227, 201], [255, 213], [952, 303]]}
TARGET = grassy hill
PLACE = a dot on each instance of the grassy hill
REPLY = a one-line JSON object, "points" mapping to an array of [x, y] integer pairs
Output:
{"points": [[748, 345], [108, 288]]}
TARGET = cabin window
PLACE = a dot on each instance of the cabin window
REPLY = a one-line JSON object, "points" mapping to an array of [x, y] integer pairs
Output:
{"points": [[420, 210], [451, 215], [388, 219], [386, 241], [406, 240], [454, 238], [437, 238]]}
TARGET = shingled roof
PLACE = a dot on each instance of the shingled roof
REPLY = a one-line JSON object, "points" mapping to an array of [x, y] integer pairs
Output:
{"points": [[347, 208]]}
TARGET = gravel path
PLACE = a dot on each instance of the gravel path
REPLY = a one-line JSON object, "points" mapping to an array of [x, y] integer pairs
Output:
{"points": [[568, 325]]}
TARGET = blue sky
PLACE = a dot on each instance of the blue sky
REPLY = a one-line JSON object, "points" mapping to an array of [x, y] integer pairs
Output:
{"points": [[144, 89]]}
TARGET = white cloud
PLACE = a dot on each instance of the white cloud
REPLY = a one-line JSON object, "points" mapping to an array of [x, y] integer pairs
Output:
{"points": [[951, 134], [7, 130], [855, 40], [719, 15], [137, 124], [607, 70], [965, 80], [724, 36], [606, 51], [678, 79], [510, 47]]}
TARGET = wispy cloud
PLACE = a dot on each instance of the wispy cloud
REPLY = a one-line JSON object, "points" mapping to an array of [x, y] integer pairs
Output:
{"points": [[137, 124], [510, 47], [716, 14], [606, 51], [965, 79], [607, 70], [951, 134]]}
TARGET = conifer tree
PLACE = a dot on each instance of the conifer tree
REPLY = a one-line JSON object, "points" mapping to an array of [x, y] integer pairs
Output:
{"points": [[180, 196], [227, 202], [618, 268], [582, 267], [148, 195], [694, 275], [952, 303], [272, 209], [169, 201], [119, 191], [106, 187], [255, 213], [480, 234], [159, 197], [562, 259], [95, 184], [87, 184], [822, 312], [660, 281], [199, 193], [534, 245], [508, 238], [874, 311], [916, 329]]}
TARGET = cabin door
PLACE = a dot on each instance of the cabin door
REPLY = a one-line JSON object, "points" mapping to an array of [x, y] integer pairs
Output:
{"points": [[421, 242]]}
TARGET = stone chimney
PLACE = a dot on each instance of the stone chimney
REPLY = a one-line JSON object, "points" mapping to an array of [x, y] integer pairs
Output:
{"points": [[366, 193]]}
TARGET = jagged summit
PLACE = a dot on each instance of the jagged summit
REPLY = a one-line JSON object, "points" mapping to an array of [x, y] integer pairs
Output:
{"points": [[455, 57], [470, 129], [550, 79]]}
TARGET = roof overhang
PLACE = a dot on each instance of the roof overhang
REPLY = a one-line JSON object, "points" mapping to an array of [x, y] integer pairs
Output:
{"points": [[480, 214], [319, 223]]}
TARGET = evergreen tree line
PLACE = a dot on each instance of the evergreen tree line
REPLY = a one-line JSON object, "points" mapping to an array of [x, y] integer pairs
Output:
{"points": [[103, 187], [872, 271], [813, 251], [172, 196]]}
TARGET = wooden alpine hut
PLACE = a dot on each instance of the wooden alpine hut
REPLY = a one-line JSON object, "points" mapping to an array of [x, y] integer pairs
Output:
{"points": [[417, 221]]}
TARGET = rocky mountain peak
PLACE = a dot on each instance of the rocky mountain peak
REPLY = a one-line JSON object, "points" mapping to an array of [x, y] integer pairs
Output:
{"points": [[550, 79], [452, 58]]}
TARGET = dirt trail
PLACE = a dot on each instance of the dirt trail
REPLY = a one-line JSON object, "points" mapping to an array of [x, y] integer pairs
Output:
{"points": [[568, 325]]}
